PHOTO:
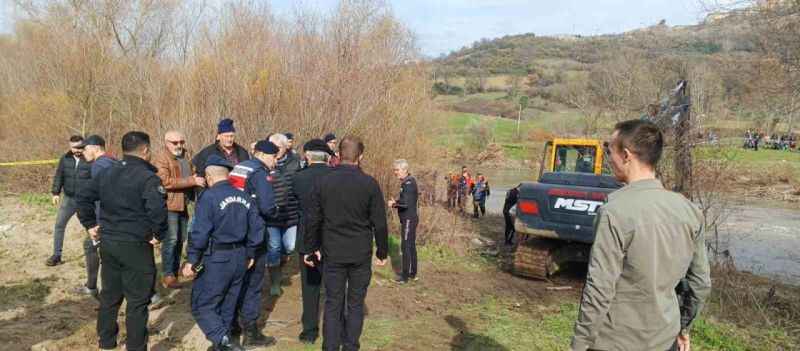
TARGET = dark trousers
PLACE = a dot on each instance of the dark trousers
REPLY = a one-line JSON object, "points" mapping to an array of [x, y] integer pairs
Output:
{"points": [[479, 205], [509, 233], [172, 245], [345, 290], [90, 252], [248, 307], [408, 245], [216, 291], [128, 272], [311, 286]]}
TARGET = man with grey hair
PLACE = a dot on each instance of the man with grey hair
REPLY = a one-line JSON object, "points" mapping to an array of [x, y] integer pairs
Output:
{"points": [[179, 179], [282, 228], [317, 154], [406, 205]]}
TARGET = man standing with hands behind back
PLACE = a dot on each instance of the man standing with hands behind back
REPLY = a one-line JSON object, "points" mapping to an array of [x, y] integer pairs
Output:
{"points": [[647, 240], [347, 210], [133, 218]]}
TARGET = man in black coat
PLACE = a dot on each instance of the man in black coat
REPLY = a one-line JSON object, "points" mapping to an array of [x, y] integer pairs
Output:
{"points": [[347, 211], [72, 175], [133, 218], [317, 154], [225, 146]]}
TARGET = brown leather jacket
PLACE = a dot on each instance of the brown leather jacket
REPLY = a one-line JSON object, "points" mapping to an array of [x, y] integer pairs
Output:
{"points": [[169, 170]]}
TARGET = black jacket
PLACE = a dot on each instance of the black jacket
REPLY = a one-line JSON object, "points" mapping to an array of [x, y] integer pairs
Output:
{"points": [[69, 178], [303, 183], [133, 203], [511, 199], [199, 160], [285, 198], [347, 210], [407, 201]]}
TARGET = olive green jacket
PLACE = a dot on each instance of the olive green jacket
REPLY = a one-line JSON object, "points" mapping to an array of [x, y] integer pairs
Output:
{"points": [[647, 240]]}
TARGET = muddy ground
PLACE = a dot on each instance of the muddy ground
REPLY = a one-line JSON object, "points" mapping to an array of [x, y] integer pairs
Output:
{"points": [[39, 311]]}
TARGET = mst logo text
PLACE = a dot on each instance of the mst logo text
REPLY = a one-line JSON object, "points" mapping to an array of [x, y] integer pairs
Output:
{"points": [[578, 205]]}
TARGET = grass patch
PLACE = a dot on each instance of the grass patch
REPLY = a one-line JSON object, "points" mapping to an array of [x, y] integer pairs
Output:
{"points": [[29, 293], [39, 200]]}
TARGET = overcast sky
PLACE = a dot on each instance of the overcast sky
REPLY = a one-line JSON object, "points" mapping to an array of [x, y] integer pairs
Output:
{"points": [[445, 25]]}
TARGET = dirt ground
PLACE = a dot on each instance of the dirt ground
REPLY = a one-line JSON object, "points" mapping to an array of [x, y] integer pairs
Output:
{"points": [[39, 311]]}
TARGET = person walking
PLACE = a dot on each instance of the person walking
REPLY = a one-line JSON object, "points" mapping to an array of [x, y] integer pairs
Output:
{"points": [[179, 179], [316, 153], [480, 191], [251, 176], [647, 239], [133, 218], [464, 188], [512, 195], [94, 150], [282, 228], [347, 211], [225, 146], [226, 233], [406, 205], [452, 190], [72, 175]]}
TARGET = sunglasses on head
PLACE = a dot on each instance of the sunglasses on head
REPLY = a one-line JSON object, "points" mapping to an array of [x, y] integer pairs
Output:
{"points": [[177, 142]]}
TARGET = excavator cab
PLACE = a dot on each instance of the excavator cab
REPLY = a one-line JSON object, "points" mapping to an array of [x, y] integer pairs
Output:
{"points": [[584, 156]]}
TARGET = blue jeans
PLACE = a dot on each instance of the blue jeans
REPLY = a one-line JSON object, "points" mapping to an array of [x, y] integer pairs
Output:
{"points": [[281, 241], [172, 245], [67, 209]]}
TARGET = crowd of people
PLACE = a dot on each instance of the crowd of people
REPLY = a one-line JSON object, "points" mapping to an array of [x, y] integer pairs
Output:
{"points": [[754, 139], [647, 280], [461, 186], [253, 210]]}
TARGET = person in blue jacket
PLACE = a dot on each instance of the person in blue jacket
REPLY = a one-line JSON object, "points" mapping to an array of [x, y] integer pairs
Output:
{"points": [[251, 177], [223, 241]]}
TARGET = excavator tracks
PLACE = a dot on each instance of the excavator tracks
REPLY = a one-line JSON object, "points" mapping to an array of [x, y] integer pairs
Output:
{"points": [[534, 258]]}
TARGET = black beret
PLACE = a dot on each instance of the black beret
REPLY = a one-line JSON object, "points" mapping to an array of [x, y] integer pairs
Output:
{"points": [[267, 147], [317, 145]]}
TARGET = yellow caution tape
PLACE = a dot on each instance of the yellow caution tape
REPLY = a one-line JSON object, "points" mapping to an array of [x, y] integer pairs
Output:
{"points": [[28, 163]]}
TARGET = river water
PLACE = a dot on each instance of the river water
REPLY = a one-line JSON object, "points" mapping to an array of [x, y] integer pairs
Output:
{"points": [[761, 240]]}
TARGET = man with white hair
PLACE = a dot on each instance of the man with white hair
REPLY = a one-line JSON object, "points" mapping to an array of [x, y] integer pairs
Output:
{"points": [[179, 179], [282, 228], [406, 205]]}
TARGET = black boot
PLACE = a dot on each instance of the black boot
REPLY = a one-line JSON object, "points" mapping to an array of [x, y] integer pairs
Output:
{"points": [[254, 337], [227, 345], [236, 331]]}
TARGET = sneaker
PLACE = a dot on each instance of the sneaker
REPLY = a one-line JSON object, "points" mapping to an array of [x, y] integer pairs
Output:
{"points": [[308, 339], [53, 261], [400, 280], [156, 302], [414, 278], [83, 290]]}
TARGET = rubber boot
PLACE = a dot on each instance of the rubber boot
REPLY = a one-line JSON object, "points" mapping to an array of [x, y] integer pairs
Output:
{"points": [[275, 278], [254, 337]]}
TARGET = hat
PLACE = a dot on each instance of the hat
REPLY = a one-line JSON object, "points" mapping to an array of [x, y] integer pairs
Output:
{"points": [[93, 140], [225, 126], [317, 145], [216, 160], [267, 147], [289, 135], [328, 137]]}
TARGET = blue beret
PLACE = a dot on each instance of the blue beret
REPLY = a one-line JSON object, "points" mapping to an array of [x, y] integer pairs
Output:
{"points": [[216, 160]]}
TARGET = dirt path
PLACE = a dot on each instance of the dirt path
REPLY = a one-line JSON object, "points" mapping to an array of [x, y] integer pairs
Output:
{"points": [[444, 310]]}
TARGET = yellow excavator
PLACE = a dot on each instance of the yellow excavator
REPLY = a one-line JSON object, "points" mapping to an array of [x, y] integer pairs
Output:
{"points": [[555, 215]]}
